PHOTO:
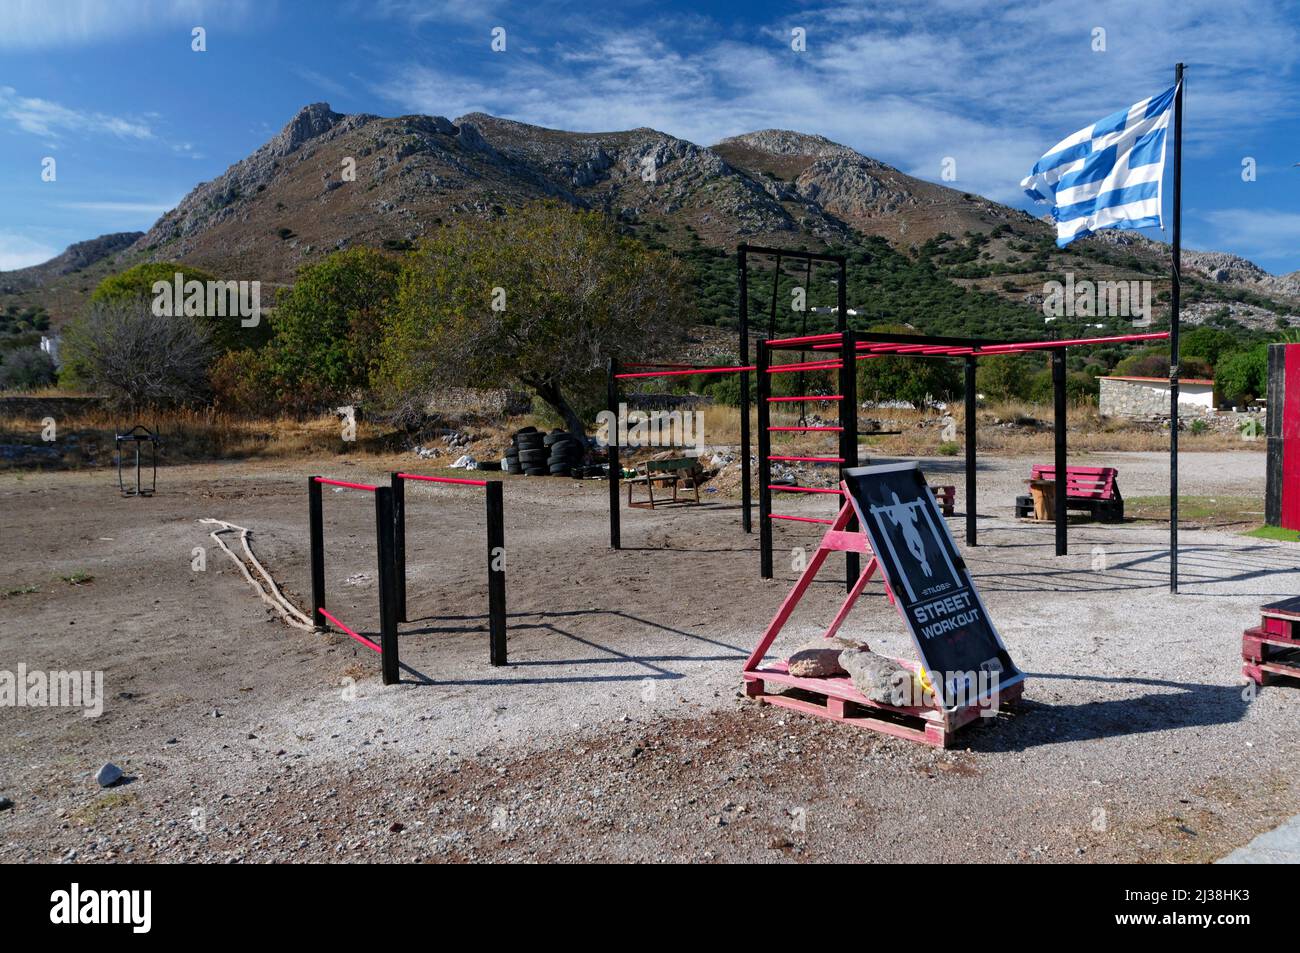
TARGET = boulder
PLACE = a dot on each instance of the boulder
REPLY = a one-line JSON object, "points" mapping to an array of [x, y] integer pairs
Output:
{"points": [[108, 775], [881, 679], [822, 659]]}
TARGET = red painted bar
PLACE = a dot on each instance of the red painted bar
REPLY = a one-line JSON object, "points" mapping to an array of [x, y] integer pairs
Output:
{"points": [[811, 366], [1117, 339], [435, 479], [802, 489], [798, 519], [694, 370], [804, 340], [811, 459], [360, 638], [351, 486], [777, 400]]}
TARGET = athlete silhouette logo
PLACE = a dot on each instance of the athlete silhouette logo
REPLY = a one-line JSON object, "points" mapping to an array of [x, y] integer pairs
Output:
{"points": [[903, 515]]}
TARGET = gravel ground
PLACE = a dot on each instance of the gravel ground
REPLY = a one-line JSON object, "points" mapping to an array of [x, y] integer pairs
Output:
{"points": [[617, 732]]}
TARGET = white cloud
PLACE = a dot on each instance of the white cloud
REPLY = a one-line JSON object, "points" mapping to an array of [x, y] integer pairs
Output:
{"points": [[51, 120], [1256, 233], [989, 85], [127, 208], [49, 24], [18, 251]]}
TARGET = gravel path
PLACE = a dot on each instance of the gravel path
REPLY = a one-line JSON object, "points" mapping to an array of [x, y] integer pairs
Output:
{"points": [[617, 731]]}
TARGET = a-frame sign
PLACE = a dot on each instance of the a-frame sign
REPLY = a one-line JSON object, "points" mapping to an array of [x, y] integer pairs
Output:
{"points": [[926, 579]]}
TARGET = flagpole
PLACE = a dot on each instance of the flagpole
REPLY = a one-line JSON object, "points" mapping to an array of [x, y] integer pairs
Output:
{"points": [[1174, 289]]}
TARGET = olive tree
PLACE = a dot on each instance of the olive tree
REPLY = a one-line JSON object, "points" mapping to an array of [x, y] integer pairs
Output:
{"points": [[541, 297]]}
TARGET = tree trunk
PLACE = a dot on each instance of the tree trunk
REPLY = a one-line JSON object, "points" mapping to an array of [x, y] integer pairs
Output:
{"points": [[550, 392]]}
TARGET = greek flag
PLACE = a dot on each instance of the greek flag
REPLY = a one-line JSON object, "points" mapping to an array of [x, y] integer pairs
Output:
{"points": [[1106, 175]]}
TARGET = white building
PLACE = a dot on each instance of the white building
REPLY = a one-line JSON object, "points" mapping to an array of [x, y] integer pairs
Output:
{"points": [[1149, 396]]}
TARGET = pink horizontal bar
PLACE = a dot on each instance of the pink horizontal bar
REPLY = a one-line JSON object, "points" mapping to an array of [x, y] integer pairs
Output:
{"points": [[811, 459], [804, 340], [352, 486], [804, 429], [801, 489], [360, 638], [694, 370], [434, 479], [797, 519], [802, 397], [787, 368], [1119, 338]]}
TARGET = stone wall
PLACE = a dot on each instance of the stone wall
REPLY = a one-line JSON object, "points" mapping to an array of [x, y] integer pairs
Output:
{"points": [[35, 408], [1135, 399]]}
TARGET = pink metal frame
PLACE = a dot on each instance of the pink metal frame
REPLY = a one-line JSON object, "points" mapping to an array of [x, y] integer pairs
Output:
{"points": [[927, 725]]}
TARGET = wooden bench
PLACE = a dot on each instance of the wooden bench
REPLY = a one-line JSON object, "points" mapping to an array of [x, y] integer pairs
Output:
{"points": [[663, 473], [1095, 489]]}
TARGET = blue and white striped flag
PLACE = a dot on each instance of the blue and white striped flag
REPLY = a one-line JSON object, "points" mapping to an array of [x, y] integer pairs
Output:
{"points": [[1107, 175]]}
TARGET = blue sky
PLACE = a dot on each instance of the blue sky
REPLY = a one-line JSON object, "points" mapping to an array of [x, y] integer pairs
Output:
{"points": [[134, 118]]}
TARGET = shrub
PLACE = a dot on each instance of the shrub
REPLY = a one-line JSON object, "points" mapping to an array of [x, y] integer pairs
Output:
{"points": [[138, 359], [27, 368], [1242, 375]]}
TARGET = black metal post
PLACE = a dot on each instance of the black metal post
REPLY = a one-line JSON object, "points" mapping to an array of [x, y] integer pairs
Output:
{"points": [[971, 454], [496, 553], [764, 463], [842, 297], [849, 434], [1175, 290], [387, 584], [399, 542], [611, 445], [316, 522], [1058, 428], [746, 493]]}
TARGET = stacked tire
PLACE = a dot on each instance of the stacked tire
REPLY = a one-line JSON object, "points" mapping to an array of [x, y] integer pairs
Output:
{"points": [[566, 452], [528, 452]]}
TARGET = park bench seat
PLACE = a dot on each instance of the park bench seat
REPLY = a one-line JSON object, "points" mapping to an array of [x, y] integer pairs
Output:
{"points": [[1095, 489], [672, 472], [946, 496]]}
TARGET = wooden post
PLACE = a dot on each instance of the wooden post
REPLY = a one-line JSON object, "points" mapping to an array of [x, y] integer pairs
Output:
{"points": [[316, 522], [971, 454], [496, 554], [387, 584]]}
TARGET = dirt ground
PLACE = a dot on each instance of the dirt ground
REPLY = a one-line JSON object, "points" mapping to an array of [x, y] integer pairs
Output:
{"points": [[618, 731]]}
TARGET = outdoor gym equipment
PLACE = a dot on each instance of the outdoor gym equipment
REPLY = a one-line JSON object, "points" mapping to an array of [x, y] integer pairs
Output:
{"points": [[964, 668], [388, 591], [139, 435], [496, 541]]}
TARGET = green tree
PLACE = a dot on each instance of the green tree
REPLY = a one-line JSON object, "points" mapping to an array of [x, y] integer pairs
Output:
{"points": [[327, 332], [539, 297], [1207, 343], [1006, 376], [911, 379], [224, 332], [27, 368], [1242, 375]]}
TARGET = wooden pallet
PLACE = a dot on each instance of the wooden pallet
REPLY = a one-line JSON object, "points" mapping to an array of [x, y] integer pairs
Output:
{"points": [[841, 701], [1282, 620], [1264, 653]]}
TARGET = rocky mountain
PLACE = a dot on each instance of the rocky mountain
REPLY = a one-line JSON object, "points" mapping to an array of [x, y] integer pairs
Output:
{"points": [[330, 180]]}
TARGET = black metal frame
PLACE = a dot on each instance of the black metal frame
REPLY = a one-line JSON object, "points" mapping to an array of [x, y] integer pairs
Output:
{"points": [[139, 434], [496, 541], [388, 591]]}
